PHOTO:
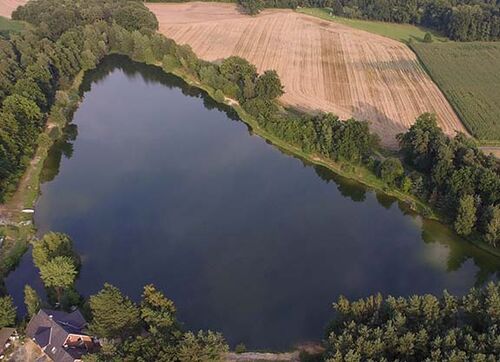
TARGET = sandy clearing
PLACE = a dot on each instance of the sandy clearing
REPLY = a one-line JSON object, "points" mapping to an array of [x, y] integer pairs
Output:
{"points": [[493, 150], [8, 6], [324, 66]]}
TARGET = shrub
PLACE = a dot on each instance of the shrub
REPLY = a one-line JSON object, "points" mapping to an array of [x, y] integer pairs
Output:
{"points": [[219, 96], [240, 348]]}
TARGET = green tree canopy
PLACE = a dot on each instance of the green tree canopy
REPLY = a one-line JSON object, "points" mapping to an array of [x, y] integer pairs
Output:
{"points": [[236, 69], [252, 7], [7, 312], [58, 273], [31, 300], [113, 314], [391, 169], [417, 328], [157, 311], [493, 225], [268, 85], [204, 346], [51, 245], [466, 215]]}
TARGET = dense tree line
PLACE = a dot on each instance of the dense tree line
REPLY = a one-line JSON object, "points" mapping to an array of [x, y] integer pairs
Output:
{"points": [[324, 134], [453, 175], [148, 331], [418, 328], [462, 20]]}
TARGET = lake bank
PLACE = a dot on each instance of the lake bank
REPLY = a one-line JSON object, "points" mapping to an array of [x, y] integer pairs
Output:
{"points": [[28, 189], [158, 183]]}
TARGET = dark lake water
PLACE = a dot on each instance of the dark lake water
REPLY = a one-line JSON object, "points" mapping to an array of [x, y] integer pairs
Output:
{"points": [[157, 184]]}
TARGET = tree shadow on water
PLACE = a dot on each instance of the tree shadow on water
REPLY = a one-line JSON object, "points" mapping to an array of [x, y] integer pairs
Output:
{"points": [[460, 251], [61, 147], [347, 188]]}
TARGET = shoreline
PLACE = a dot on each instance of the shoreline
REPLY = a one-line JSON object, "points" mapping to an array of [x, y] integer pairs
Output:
{"points": [[360, 174], [28, 189]]}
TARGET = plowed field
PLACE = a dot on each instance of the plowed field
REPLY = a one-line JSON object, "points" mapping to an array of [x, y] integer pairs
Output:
{"points": [[8, 6]]}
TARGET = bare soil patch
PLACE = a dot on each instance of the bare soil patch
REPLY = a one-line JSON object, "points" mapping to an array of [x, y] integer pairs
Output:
{"points": [[494, 150], [324, 66], [8, 6]]}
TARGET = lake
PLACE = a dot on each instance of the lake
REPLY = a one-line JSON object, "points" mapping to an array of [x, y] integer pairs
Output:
{"points": [[157, 184]]}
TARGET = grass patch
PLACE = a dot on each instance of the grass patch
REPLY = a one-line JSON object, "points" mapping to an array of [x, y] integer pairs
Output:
{"points": [[400, 32], [8, 26], [15, 240], [469, 76]]}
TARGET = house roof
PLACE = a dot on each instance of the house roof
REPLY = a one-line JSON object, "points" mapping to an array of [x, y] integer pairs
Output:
{"points": [[50, 329], [42, 336]]}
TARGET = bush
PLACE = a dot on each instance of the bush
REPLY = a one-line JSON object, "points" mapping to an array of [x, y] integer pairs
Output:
{"points": [[240, 348], [170, 63], [391, 170], [219, 96]]}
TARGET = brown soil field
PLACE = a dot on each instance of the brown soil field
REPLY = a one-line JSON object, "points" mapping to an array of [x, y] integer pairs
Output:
{"points": [[324, 66], [8, 6]]}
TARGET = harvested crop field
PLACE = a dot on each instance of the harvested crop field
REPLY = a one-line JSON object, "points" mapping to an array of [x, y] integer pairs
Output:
{"points": [[324, 66], [8, 6]]}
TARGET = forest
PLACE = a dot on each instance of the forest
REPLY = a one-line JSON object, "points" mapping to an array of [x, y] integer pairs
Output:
{"points": [[417, 328]]}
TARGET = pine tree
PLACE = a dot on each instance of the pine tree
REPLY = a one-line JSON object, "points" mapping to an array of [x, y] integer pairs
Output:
{"points": [[31, 300], [113, 314]]}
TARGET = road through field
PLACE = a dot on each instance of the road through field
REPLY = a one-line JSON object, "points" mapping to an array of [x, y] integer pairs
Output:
{"points": [[324, 66], [8, 6]]}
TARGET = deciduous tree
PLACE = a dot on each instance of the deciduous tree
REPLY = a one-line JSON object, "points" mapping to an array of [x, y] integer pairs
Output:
{"points": [[59, 273], [466, 215]]}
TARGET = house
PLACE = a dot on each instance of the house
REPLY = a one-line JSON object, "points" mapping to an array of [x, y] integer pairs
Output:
{"points": [[60, 335], [7, 336]]}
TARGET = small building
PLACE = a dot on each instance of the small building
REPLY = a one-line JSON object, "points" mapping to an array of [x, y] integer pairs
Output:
{"points": [[7, 336], [60, 335]]}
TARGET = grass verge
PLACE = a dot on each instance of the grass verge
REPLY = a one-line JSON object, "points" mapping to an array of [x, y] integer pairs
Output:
{"points": [[405, 33], [8, 26]]}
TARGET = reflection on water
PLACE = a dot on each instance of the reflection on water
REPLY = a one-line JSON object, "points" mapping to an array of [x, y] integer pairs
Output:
{"points": [[157, 183], [62, 147]]}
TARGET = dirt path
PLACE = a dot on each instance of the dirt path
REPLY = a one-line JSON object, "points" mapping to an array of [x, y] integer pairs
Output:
{"points": [[11, 210], [494, 150], [323, 66], [312, 349]]}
